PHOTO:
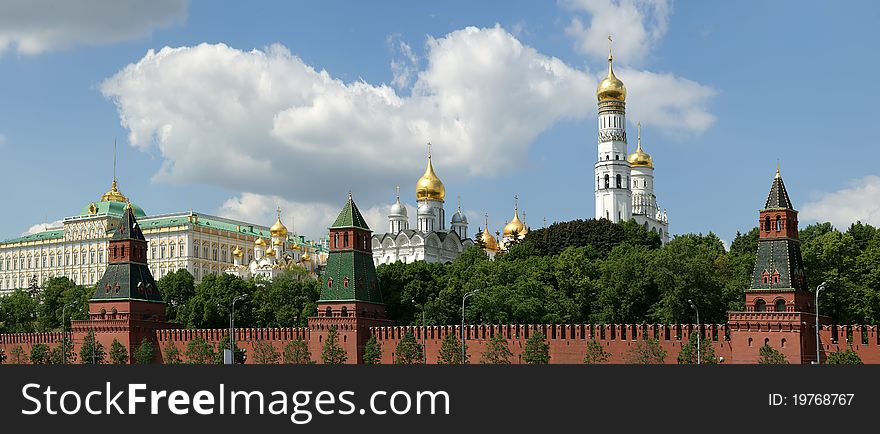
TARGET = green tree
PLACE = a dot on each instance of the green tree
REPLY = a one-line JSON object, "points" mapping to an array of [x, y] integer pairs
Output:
{"points": [[212, 302], [91, 352], [688, 353], [296, 352], [118, 353], [845, 357], [288, 300], [62, 353], [628, 290], [40, 354], [497, 351], [19, 312], [645, 352], [596, 354], [265, 353], [409, 351], [51, 303], [771, 356], [145, 352], [373, 351], [687, 268], [17, 355], [333, 353], [199, 352], [177, 288], [537, 350], [171, 354], [450, 351]]}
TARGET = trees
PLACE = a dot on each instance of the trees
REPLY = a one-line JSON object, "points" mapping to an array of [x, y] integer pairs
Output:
{"points": [[17, 355], [497, 351], [240, 354], [199, 351], [19, 312], [537, 350], [288, 300], [296, 352], [91, 352], [688, 353], [409, 351], [171, 354], [373, 351], [596, 354], [645, 352], [145, 352], [845, 357], [211, 304], [265, 353], [177, 288], [118, 353], [333, 353], [62, 353], [450, 351], [40, 354], [770, 356]]}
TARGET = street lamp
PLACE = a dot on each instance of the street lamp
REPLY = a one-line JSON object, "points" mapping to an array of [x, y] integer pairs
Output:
{"points": [[424, 348], [818, 347], [232, 329], [462, 322], [694, 307]]}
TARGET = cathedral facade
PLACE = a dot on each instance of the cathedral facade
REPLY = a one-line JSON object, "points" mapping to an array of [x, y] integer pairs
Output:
{"points": [[431, 240], [624, 182]]}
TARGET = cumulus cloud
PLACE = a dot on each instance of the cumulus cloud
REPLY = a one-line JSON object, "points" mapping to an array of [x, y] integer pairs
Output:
{"points": [[404, 64], [41, 227], [859, 201], [36, 26], [675, 105], [636, 27]]}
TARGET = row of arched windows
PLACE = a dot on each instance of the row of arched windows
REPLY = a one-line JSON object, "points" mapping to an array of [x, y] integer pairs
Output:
{"points": [[761, 305], [618, 181], [48, 259], [769, 224]]}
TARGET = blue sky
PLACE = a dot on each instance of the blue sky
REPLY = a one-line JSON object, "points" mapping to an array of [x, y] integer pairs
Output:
{"points": [[266, 104]]}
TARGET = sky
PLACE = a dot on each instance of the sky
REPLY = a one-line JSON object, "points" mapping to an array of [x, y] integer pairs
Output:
{"points": [[237, 108]]}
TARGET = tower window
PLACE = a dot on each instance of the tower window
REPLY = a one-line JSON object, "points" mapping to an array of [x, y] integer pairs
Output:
{"points": [[616, 157], [607, 182], [778, 223], [345, 239], [607, 157], [780, 305], [767, 223], [618, 181], [760, 306]]}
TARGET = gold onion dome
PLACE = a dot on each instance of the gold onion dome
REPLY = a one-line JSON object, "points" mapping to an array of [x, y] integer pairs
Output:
{"points": [[429, 186], [113, 195], [515, 224], [278, 243], [611, 88], [296, 247], [270, 252], [305, 257], [237, 252], [640, 158], [260, 242], [489, 241], [278, 229]]}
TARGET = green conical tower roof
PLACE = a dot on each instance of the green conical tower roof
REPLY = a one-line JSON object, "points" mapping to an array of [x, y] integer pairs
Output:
{"points": [[350, 274]]}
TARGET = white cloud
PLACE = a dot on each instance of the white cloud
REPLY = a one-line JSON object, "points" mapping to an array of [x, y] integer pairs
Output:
{"points": [[36, 26], [404, 65], [41, 227], [635, 25], [859, 201], [675, 105]]}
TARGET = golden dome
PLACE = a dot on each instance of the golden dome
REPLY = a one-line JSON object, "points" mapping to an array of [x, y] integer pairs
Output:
{"points": [[260, 242], [113, 195], [429, 186], [296, 247], [305, 257], [278, 243], [237, 252], [515, 224], [270, 252], [640, 158], [611, 88], [489, 241], [278, 229]]}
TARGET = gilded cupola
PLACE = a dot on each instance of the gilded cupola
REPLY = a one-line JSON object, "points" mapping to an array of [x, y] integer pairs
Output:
{"points": [[640, 158], [429, 186], [278, 230], [611, 88], [515, 225]]}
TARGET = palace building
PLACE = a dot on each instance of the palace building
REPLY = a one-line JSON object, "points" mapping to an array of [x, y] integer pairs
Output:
{"points": [[200, 243], [431, 241], [624, 182]]}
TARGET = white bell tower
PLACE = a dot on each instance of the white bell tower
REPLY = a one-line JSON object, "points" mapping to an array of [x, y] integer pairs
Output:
{"points": [[613, 191]]}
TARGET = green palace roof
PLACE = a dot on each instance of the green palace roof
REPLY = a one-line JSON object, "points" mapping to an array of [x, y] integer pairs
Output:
{"points": [[39, 236], [113, 208]]}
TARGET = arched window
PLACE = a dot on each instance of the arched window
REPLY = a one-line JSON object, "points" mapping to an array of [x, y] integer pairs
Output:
{"points": [[330, 282], [328, 311], [618, 181], [344, 312], [750, 341], [345, 239], [780, 305], [760, 305], [607, 181], [778, 223], [767, 223]]}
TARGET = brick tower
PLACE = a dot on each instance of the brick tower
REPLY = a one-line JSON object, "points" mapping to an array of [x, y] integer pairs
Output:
{"points": [[779, 309], [126, 305], [350, 296]]}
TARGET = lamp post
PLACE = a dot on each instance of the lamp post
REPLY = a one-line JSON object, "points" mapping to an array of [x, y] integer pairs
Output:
{"points": [[232, 329], [424, 348], [462, 323], [694, 307], [818, 347]]}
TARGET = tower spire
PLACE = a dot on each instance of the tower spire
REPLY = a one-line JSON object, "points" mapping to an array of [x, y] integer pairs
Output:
{"points": [[610, 57], [429, 150], [639, 140], [778, 175], [459, 203], [398, 194]]}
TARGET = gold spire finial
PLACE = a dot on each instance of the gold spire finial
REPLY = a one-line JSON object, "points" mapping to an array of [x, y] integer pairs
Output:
{"points": [[279, 213], [516, 204], [639, 140], [429, 150], [777, 169], [487, 221], [610, 57], [349, 194]]}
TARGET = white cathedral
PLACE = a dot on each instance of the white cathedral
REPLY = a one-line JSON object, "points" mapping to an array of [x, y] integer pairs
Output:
{"points": [[431, 241], [624, 182]]}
